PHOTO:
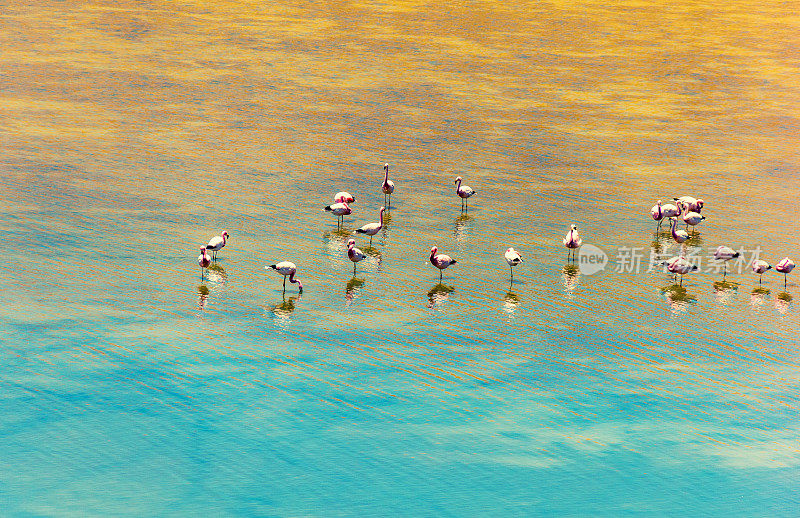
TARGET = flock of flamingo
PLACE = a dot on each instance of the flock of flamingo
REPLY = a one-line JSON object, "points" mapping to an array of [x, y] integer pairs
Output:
{"points": [[686, 208]]}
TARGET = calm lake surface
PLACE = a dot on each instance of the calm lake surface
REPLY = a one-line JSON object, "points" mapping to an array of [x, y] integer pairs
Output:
{"points": [[132, 132]]}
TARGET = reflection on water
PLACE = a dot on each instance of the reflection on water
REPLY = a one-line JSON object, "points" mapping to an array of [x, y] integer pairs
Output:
{"points": [[511, 302], [203, 299], [461, 229], [678, 298], [282, 311], [353, 289], [570, 274], [438, 295]]}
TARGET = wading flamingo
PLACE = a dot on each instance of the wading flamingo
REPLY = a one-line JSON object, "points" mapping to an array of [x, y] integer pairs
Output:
{"points": [[725, 254], [371, 229], [340, 210], [354, 254], [680, 236], [464, 192], [657, 214], [572, 241], [204, 260], [760, 266], [217, 243], [287, 269], [694, 204], [343, 197], [785, 267], [441, 261], [512, 258], [679, 265], [387, 186], [690, 217]]}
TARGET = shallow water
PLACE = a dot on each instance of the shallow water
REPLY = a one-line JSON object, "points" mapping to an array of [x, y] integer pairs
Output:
{"points": [[133, 132]]}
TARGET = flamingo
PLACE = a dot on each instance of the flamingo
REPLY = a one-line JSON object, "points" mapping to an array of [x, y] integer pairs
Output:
{"points": [[690, 217], [572, 241], [204, 260], [679, 236], [354, 254], [340, 210], [371, 229], [695, 204], [725, 254], [463, 192], [343, 197], [217, 243], [760, 266], [387, 186], [287, 269], [512, 258], [785, 266], [440, 261], [670, 210], [657, 213], [679, 265]]}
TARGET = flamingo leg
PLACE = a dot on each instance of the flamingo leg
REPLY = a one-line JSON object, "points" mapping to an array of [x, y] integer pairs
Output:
{"points": [[512, 273], [440, 276], [370, 241], [725, 271], [784, 282], [354, 269], [284, 283]]}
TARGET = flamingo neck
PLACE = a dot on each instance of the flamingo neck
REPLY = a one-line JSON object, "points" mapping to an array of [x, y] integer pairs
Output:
{"points": [[382, 217], [385, 175], [458, 184]]}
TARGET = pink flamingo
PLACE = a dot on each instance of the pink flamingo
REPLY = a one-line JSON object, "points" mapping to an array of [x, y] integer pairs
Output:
{"points": [[512, 258], [343, 197], [690, 217], [387, 186], [340, 210], [464, 193], [354, 254], [785, 266], [760, 266], [287, 269], [680, 236], [657, 213], [694, 204], [679, 265], [572, 241], [441, 261], [725, 253], [217, 243], [204, 260], [371, 229]]}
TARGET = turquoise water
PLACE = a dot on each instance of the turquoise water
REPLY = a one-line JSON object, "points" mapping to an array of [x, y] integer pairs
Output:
{"points": [[132, 135]]}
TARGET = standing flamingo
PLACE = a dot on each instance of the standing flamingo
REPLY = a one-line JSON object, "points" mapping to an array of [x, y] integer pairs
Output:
{"points": [[681, 266], [680, 236], [343, 197], [657, 214], [572, 241], [387, 186], [694, 204], [340, 210], [785, 267], [760, 266], [371, 229], [512, 258], [287, 269], [690, 217], [354, 254], [464, 193], [204, 260], [440, 261], [217, 243], [725, 254]]}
